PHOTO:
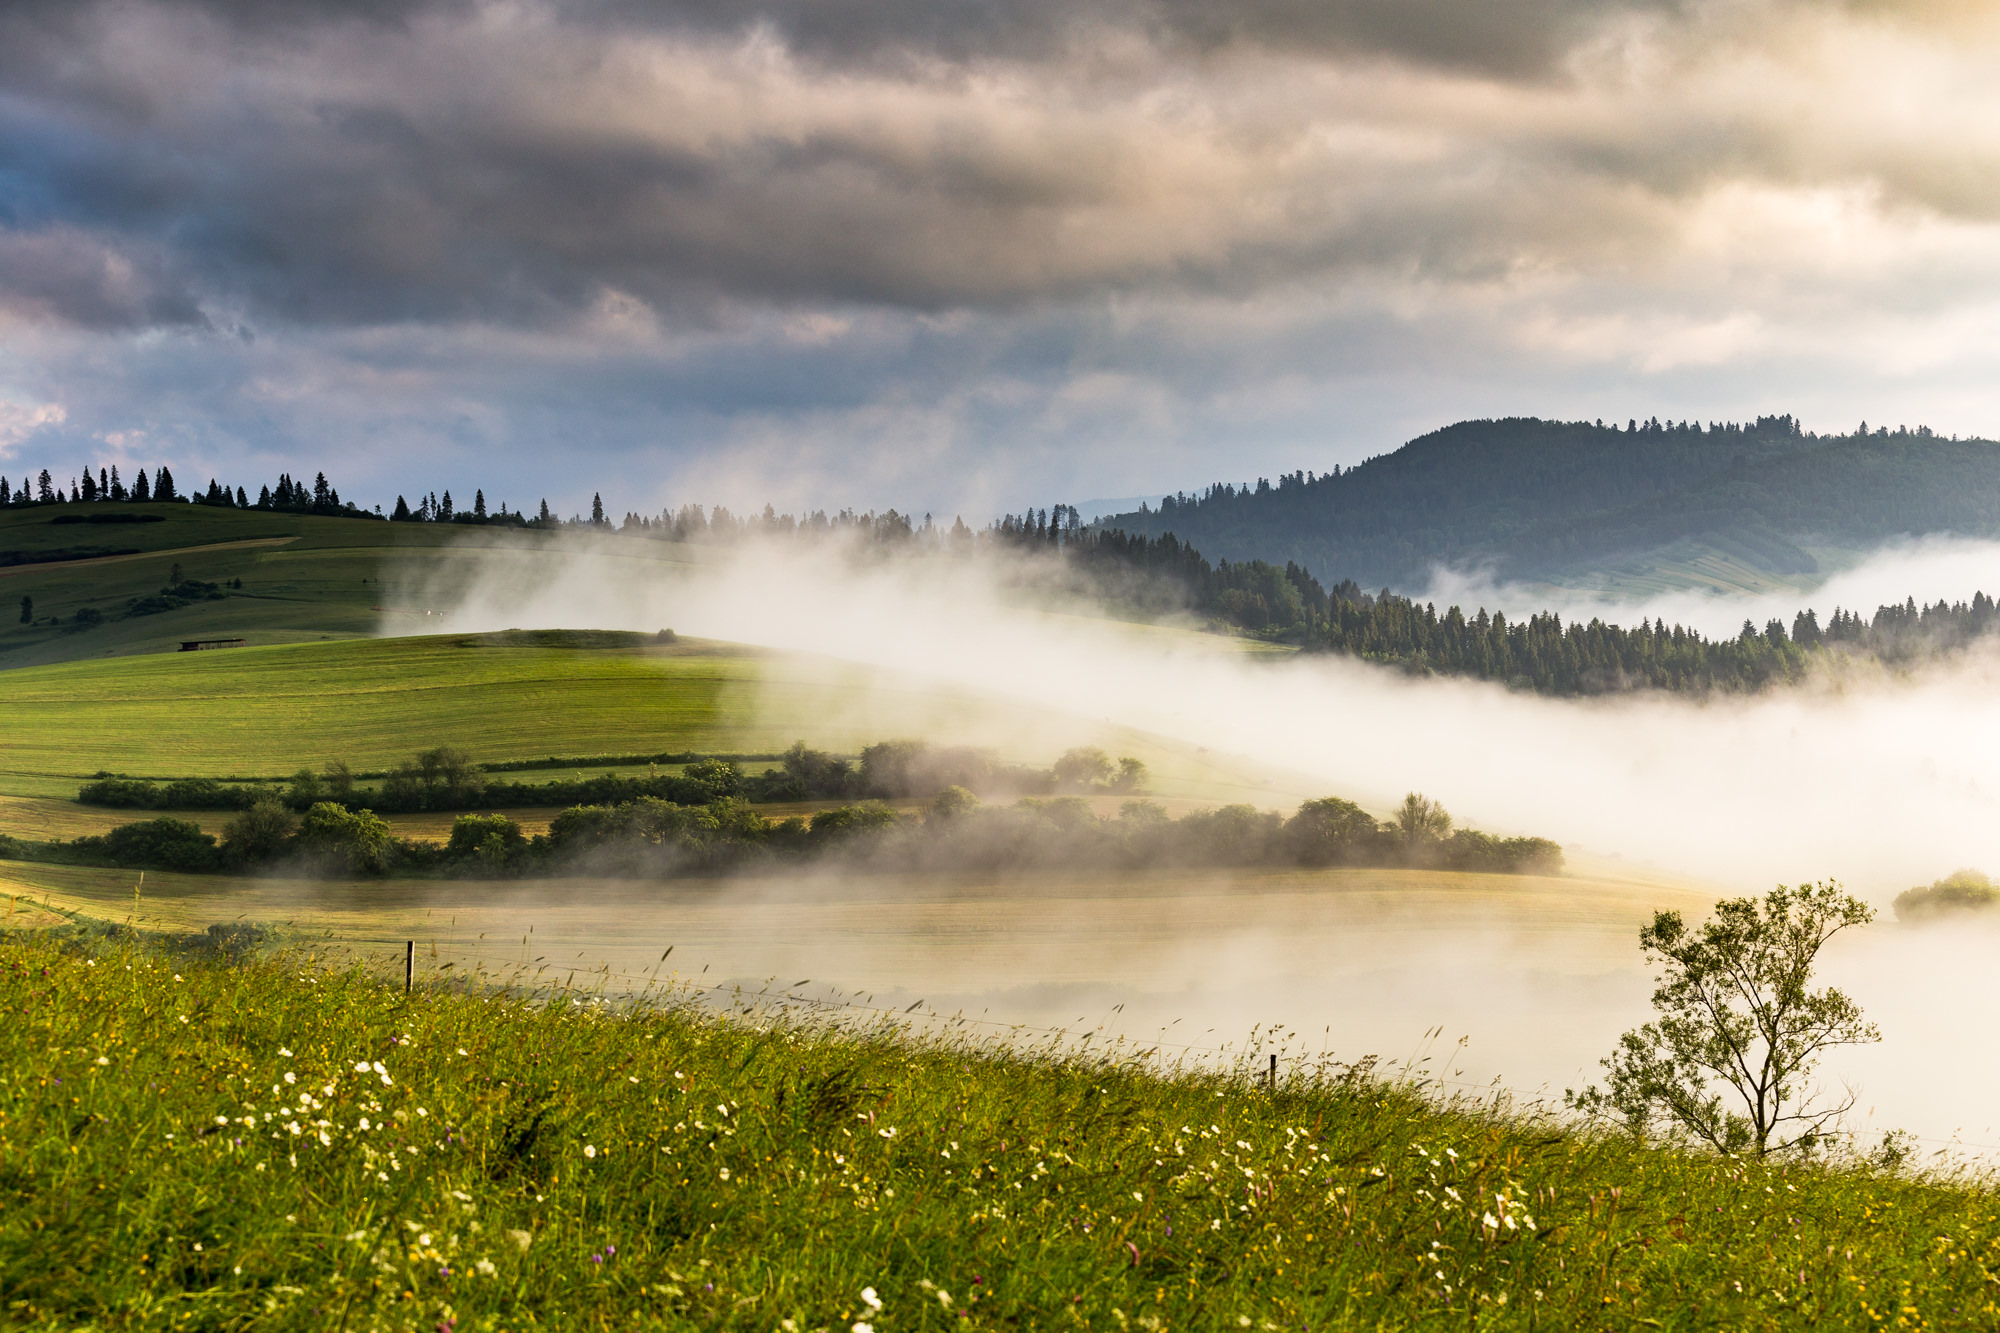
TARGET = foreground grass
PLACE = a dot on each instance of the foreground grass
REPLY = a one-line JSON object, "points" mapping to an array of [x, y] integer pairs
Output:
{"points": [[193, 1145]]}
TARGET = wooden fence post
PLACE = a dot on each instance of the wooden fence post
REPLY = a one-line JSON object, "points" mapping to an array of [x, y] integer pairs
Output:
{"points": [[409, 966]]}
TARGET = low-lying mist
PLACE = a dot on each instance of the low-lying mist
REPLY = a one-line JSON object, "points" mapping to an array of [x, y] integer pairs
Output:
{"points": [[1881, 784], [1926, 568]]}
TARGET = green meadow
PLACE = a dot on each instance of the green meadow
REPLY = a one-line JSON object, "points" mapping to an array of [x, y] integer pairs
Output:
{"points": [[229, 1144]]}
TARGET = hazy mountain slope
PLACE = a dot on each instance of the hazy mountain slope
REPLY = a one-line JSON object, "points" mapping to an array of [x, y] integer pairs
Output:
{"points": [[1554, 500]]}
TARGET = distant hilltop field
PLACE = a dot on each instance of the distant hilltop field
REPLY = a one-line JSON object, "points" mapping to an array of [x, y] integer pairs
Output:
{"points": [[1558, 502]]}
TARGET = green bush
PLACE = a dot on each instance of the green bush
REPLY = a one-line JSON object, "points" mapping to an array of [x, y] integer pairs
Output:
{"points": [[157, 844], [353, 840], [1960, 892]]}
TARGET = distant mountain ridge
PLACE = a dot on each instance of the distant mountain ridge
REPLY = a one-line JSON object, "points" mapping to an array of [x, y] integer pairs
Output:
{"points": [[1551, 501]]}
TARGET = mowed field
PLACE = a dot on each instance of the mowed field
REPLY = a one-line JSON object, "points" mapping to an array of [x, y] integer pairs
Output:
{"points": [[268, 711], [262, 711]]}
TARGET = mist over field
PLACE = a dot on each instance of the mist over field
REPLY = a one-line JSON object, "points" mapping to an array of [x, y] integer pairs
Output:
{"points": [[1880, 783]]}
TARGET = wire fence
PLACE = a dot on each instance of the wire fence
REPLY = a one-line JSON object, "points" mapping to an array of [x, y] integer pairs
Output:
{"points": [[1275, 1042]]}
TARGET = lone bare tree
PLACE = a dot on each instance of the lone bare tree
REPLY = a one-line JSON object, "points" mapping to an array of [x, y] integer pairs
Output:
{"points": [[1739, 1029]]}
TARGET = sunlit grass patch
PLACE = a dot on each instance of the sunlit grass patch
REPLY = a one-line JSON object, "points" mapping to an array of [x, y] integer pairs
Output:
{"points": [[191, 1143]]}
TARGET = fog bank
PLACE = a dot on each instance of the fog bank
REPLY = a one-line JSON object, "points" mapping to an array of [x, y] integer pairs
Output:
{"points": [[1881, 784], [1926, 568]]}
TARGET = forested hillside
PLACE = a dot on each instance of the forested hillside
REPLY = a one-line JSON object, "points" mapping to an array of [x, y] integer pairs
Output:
{"points": [[1547, 500]]}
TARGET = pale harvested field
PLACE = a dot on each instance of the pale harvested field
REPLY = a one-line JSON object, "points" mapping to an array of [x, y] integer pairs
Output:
{"points": [[1534, 970]]}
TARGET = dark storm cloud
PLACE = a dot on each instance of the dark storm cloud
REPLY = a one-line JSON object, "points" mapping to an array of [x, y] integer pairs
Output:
{"points": [[66, 276], [1511, 37], [361, 161]]}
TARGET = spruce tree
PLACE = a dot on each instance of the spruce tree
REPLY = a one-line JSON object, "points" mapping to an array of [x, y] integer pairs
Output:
{"points": [[242, 499], [140, 490], [117, 486], [597, 511], [543, 517], [163, 485], [27, 610], [479, 505], [402, 514]]}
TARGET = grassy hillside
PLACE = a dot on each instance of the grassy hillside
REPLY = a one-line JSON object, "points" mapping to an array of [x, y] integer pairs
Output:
{"points": [[303, 577], [194, 1145], [268, 711], [1569, 502]]}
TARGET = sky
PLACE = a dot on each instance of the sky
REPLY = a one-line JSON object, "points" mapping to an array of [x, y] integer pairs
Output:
{"points": [[955, 256]]}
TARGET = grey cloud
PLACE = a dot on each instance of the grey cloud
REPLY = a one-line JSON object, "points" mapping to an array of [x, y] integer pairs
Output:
{"points": [[367, 162], [64, 275], [1513, 38]]}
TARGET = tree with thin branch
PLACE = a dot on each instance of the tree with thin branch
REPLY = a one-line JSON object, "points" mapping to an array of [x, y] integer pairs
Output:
{"points": [[1730, 1058]]}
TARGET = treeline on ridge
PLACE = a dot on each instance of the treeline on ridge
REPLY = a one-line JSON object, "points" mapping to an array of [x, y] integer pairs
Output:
{"points": [[1165, 573], [1539, 653]]}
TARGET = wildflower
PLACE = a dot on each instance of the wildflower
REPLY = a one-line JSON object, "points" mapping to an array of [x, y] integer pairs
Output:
{"points": [[285, 1051], [485, 1268], [870, 1299], [463, 1051], [521, 1239], [356, 1236], [590, 1150], [104, 1059], [290, 1077], [360, 1066]]}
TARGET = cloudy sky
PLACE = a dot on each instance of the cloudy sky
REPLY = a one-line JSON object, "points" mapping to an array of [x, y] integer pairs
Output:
{"points": [[954, 254]]}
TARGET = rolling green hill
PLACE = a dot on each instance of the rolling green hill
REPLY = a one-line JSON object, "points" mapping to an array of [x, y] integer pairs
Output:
{"points": [[127, 588], [1569, 502]]}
